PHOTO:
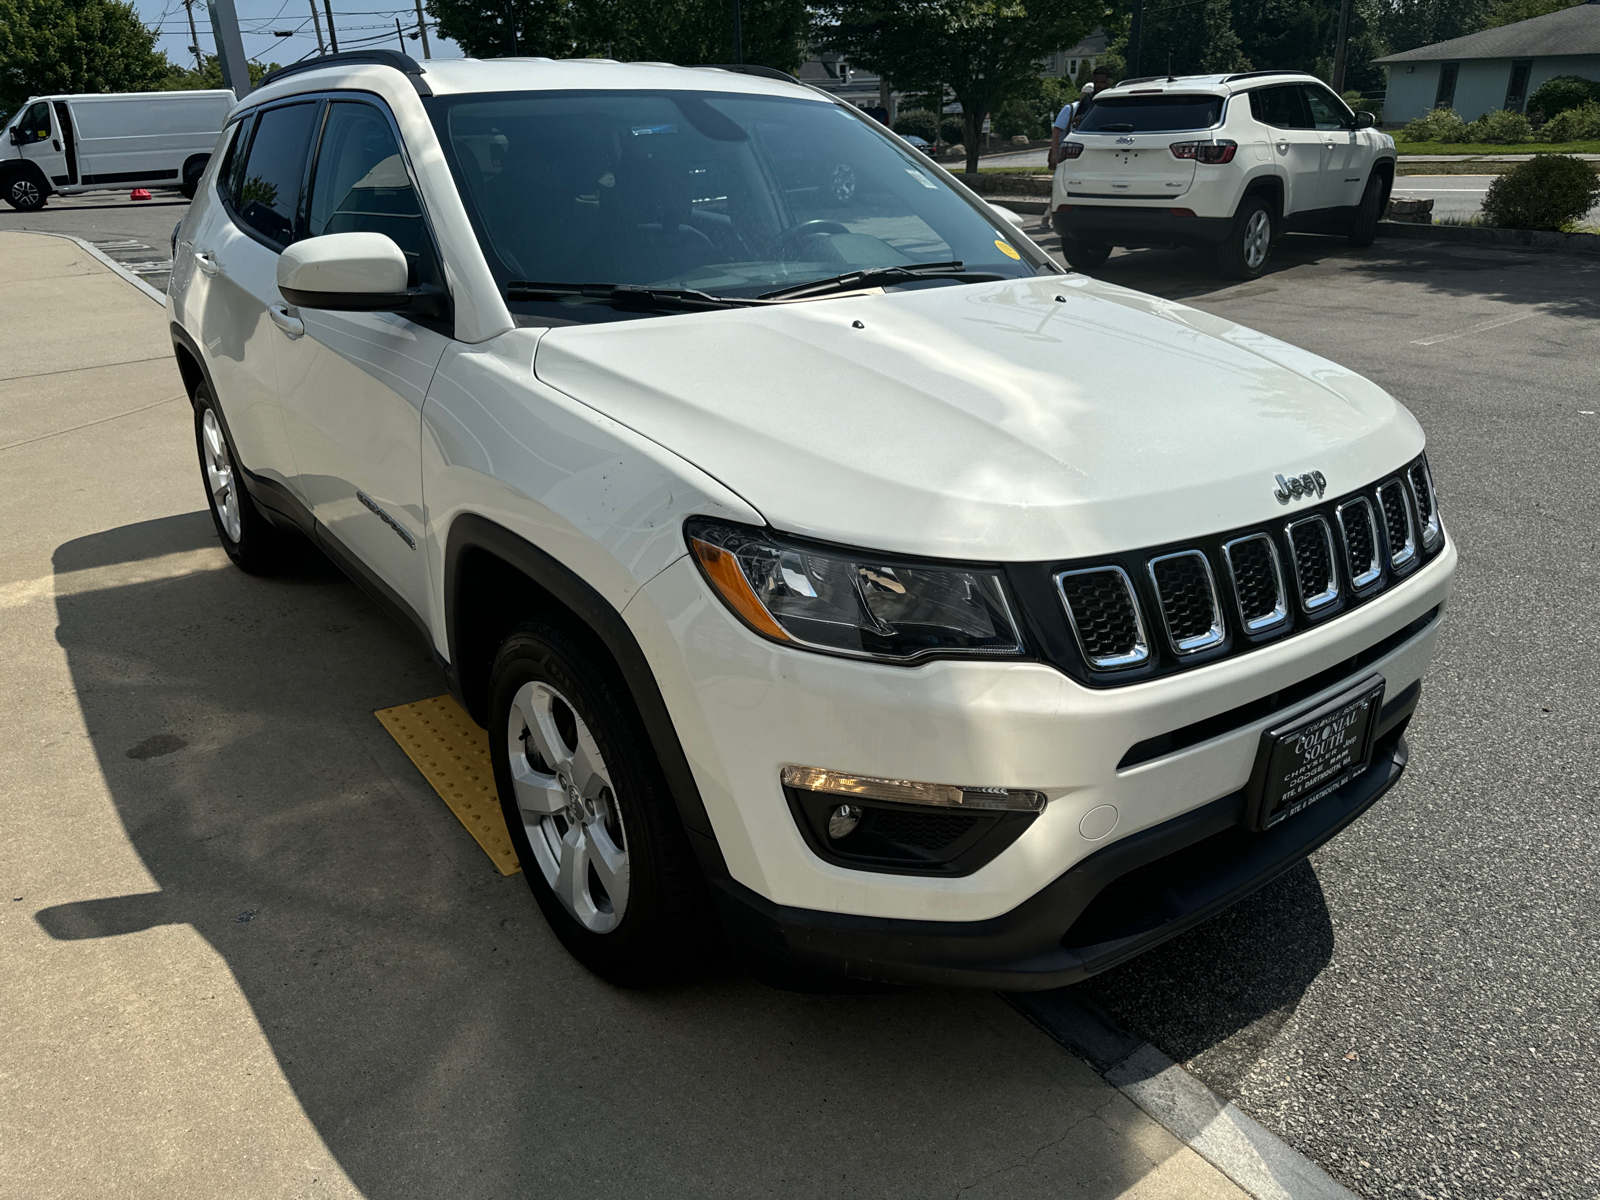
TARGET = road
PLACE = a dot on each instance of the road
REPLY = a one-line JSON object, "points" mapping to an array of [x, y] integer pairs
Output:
{"points": [[136, 233], [1416, 1008]]}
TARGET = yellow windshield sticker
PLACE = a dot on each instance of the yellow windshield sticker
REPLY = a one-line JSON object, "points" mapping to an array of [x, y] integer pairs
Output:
{"points": [[1007, 250]]}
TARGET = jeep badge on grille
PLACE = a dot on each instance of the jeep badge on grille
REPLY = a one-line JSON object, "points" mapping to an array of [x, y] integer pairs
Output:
{"points": [[1297, 486]]}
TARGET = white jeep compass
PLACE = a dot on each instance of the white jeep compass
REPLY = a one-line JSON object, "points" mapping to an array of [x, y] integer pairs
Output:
{"points": [[822, 560], [1229, 161]]}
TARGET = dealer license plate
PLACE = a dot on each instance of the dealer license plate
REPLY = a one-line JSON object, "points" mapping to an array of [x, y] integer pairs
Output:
{"points": [[1314, 754]]}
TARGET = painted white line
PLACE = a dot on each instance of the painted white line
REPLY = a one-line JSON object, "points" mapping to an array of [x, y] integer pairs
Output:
{"points": [[1471, 329], [1219, 1132], [144, 287]]}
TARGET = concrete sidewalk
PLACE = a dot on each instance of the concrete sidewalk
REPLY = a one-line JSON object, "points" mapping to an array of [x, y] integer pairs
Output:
{"points": [[245, 951]]}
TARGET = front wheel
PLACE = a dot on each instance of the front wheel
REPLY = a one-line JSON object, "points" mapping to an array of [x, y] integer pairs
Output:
{"points": [[1084, 255], [1364, 226], [1243, 253], [589, 810], [25, 193]]}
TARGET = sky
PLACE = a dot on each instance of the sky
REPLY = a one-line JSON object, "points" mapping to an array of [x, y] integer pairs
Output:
{"points": [[361, 24]]}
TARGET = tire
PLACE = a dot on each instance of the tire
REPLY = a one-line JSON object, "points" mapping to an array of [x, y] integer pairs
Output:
{"points": [[1244, 252], [251, 541], [1364, 226], [1084, 255], [25, 192], [589, 810], [192, 170]]}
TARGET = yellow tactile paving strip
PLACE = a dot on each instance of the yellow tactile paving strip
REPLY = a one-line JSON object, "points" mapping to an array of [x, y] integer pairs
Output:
{"points": [[453, 755]]}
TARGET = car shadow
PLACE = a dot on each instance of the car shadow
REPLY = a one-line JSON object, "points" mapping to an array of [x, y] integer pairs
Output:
{"points": [[432, 1029]]}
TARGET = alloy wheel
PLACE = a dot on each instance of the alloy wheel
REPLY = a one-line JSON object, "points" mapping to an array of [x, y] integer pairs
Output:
{"points": [[568, 805], [1257, 238], [220, 474], [25, 193]]}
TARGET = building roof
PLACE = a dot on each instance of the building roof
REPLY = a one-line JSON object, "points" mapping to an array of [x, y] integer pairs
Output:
{"points": [[1572, 31]]}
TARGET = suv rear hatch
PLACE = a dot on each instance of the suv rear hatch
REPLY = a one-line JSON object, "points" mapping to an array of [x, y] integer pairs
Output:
{"points": [[1127, 140]]}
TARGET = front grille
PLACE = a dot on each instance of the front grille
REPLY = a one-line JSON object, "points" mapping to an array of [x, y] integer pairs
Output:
{"points": [[1257, 581], [1360, 541], [1422, 495], [1397, 523], [1104, 616], [1314, 571], [1188, 598]]}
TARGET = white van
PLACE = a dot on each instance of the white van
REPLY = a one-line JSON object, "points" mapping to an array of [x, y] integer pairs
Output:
{"points": [[118, 140]]}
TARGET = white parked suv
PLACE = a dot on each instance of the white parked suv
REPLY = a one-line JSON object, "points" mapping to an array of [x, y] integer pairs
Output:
{"points": [[1229, 161], [823, 562]]}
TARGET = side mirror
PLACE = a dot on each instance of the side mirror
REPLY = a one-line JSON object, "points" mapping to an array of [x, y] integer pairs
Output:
{"points": [[16, 135], [1365, 120], [354, 272]]}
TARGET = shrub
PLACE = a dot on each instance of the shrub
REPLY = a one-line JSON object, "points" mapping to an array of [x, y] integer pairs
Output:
{"points": [[1354, 99], [1574, 124], [951, 129], [918, 122], [1561, 92], [1441, 125], [1553, 191], [1500, 128]]}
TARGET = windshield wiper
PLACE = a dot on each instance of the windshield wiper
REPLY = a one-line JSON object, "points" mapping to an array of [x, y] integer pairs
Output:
{"points": [[879, 276], [625, 295]]}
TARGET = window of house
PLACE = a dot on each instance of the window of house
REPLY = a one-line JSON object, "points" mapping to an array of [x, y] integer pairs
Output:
{"points": [[1517, 89], [1445, 97]]}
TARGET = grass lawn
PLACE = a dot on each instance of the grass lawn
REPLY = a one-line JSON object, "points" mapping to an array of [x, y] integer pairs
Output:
{"points": [[1592, 147]]}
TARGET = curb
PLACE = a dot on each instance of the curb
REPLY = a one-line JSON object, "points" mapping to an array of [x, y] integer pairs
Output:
{"points": [[1256, 1159], [1471, 235], [159, 297]]}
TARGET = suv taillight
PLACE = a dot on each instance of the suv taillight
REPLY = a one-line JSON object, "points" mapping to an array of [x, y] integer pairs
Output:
{"points": [[1206, 152], [1071, 149]]}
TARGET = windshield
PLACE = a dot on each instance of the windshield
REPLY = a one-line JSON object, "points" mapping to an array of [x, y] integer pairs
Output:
{"points": [[722, 193], [1152, 114]]}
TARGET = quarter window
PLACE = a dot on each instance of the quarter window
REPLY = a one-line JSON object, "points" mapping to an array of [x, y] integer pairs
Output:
{"points": [[269, 190]]}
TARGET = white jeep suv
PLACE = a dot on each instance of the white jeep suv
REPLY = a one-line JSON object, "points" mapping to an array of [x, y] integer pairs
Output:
{"points": [[1229, 161], [824, 562]]}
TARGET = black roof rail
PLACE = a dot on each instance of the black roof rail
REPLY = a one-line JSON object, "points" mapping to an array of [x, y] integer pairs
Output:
{"points": [[1260, 74], [752, 69], [403, 63]]}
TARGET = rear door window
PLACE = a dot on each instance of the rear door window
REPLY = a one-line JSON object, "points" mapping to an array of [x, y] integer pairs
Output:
{"points": [[269, 190], [1281, 107], [1167, 113]]}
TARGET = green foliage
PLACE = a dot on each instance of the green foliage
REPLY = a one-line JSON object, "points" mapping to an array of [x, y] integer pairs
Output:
{"points": [[50, 46], [1552, 191], [187, 79], [1561, 92], [1508, 12], [773, 32], [1030, 110], [917, 122], [952, 129], [1579, 124], [1191, 39], [1440, 125], [1407, 24], [1500, 128]]}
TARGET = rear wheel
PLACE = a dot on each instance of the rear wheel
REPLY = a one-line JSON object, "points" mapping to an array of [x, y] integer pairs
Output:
{"points": [[1243, 253], [251, 541], [589, 811], [192, 170], [1084, 255], [1364, 225], [24, 192]]}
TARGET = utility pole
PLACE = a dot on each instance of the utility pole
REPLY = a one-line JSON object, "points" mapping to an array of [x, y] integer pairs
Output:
{"points": [[316, 23], [333, 36], [1341, 47], [194, 38], [230, 47], [738, 37], [422, 31], [1135, 30]]}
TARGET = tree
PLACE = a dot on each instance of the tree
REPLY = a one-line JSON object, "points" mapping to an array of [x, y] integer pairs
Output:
{"points": [[678, 31], [74, 46], [983, 51], [187, 79], [1190, 37], [1509, 12], [1407, 24]]}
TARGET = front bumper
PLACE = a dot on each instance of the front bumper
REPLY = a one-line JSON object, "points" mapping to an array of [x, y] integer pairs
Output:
{"points": [[1120, 226], [1118, 902]]}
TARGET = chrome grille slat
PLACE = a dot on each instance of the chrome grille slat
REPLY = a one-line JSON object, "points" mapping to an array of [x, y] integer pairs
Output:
{"points": [[1187, 593], [1360, 531], [1257, 581], [1397, 523], [1427, 505], [1104, 616], [1315, 573]]}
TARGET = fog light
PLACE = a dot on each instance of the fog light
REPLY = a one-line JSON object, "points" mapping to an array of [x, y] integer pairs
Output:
{"points": [[906, 791], [843, 820]]}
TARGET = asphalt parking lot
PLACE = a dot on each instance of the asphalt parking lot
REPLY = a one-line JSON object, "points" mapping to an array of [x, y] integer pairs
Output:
{"points": [[1414, 1009]]}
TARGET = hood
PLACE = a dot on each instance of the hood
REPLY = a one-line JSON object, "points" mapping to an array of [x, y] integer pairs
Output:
{"points": [[1042, 418]]}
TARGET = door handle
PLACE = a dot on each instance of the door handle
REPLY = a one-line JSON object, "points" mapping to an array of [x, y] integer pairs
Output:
{"points": [[293, 327], [205, 262], [1283, 145]]}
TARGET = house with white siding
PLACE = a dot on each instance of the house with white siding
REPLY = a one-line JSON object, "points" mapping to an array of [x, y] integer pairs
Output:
{"points": [[1495, 68]]}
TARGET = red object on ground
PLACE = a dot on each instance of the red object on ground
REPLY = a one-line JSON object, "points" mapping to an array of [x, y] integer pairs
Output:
{"points": [[138, 194]]}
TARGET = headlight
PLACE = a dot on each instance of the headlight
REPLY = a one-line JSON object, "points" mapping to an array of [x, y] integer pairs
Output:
{"points": [[845, 602]]}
